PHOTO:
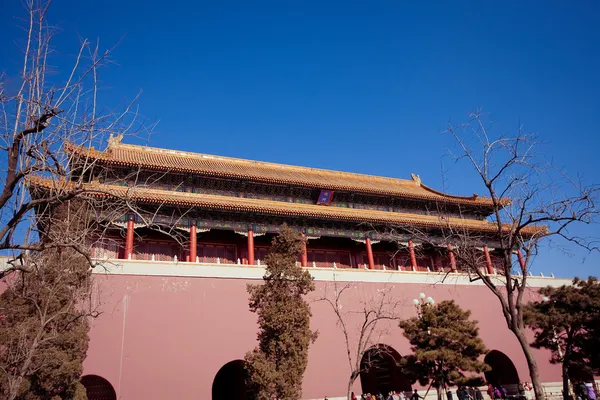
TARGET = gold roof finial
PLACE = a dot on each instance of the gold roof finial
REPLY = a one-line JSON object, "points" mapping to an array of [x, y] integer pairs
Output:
{"points": [[114, 140], [416, 178]]}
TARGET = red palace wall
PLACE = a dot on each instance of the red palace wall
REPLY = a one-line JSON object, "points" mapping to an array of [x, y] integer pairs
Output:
{"points": [[166, 337]]}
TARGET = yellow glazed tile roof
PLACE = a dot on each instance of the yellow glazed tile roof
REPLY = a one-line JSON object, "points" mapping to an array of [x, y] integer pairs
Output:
{"points": [[278, 208], [177, 161]]}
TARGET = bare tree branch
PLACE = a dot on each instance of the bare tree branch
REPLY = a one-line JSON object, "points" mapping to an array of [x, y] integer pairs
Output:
{"points": [[363, 326], [531, 203]]}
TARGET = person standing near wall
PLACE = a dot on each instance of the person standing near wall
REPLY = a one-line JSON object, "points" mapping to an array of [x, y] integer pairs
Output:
{"points": [[591, 394]]}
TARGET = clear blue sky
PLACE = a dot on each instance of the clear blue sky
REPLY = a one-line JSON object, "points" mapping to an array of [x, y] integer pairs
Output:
{"points": [[364, 86]]}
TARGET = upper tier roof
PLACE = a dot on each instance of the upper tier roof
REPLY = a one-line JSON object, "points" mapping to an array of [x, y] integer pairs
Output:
{"points": [[118, 153]]}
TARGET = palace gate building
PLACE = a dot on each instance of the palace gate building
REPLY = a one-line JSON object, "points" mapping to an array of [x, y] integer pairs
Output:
{"points": [[175, 321]]}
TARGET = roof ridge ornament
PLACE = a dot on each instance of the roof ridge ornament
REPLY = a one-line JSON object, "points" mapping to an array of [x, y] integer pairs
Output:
{"points": [[114, 140], [416, 178]]}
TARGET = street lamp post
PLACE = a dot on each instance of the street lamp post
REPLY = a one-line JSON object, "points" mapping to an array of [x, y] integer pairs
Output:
{"points": [[554, 335], [423, 300], [420, 303], [546, 300]]}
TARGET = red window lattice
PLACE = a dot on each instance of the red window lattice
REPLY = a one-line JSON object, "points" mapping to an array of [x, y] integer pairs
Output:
{"points": [[161, 250], [105, 250], [326, 258], [210, 253]]}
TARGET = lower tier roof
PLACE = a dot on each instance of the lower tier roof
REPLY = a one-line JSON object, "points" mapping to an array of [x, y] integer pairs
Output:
{"points": [[277, 208]]}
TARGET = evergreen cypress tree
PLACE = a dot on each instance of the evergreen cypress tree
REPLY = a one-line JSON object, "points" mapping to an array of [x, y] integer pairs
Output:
{"points": [[44, 328], [568, 324], [277, 365], [445, 345], [44, 314]]}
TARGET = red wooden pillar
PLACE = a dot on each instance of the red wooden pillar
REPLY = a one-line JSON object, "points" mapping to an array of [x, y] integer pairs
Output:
{"points": [[129, 237], [488, 261], [193, 243], [452, 258], [370, 254], [250, 247], [413, 257], [304, 259], [521, 260]]}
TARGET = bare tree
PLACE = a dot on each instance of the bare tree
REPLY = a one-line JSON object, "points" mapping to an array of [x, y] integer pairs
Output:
{"points": [[52, 210], [44, 318], [531, 202], [41, 114], [363, 325]]}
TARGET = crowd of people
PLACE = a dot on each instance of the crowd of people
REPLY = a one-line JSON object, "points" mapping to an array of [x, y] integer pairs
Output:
{"points": [[463, 393], [393, 395], [583, 391], [468, 393], [498, 392]]}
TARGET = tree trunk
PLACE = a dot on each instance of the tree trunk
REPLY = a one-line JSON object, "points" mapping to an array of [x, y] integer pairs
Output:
{"points": [[16, 384], [440, 391], [565, 378], [13, 387], [531, 364], [349, 388]]}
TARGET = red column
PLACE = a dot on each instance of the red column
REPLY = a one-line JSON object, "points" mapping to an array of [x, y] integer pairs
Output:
{"points": [[304, 259], [437, 262], [488, 261], [129, 237], [452, 258], [370, 254], [413, 257], [250, 247], [521, 260], [193, 244]]}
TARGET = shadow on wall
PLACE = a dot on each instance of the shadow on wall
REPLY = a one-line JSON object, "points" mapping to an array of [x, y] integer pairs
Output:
{"points": [[381, 371], [98, 388], [230, 382]]}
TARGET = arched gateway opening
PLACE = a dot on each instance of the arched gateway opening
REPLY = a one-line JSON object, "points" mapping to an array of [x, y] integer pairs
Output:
{"points": [[381, 372], [230, 382], [503, 371], [98, 388]]}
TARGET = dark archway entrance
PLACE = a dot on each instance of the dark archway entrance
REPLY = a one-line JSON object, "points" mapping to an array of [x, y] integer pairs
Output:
{"points": [[381, 373], [503, 371], [98, 388], [230, 382]]}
